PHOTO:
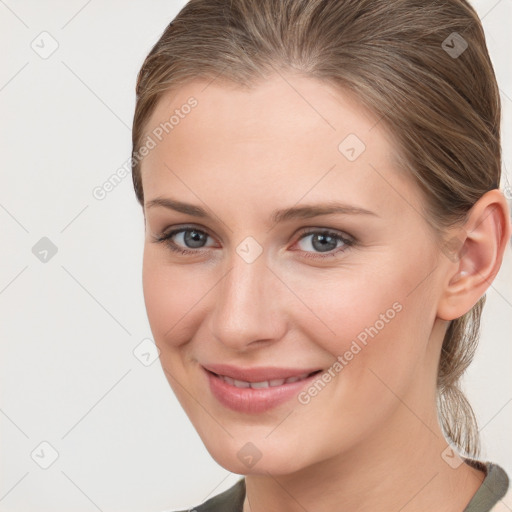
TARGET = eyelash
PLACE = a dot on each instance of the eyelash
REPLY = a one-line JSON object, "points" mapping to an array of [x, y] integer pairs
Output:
{"points": [[348, 242]]}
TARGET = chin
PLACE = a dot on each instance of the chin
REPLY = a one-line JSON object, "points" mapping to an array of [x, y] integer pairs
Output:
{"points": [[260, 457]]}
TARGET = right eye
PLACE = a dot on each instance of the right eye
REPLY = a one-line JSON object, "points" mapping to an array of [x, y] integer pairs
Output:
{"points": [[192, 240]]}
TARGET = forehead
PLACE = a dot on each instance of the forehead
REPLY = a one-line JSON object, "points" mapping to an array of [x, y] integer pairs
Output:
{"points": [[280, 106], [291, 133]]}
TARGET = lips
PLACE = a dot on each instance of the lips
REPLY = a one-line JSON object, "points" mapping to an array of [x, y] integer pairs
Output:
{"points": [[259, 374], [256, 390]]}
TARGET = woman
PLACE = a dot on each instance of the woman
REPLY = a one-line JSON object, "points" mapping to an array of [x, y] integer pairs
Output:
{"points": [[319, 181]]}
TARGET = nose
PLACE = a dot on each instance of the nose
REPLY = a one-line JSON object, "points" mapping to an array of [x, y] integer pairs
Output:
{"points": [[247, 310]]}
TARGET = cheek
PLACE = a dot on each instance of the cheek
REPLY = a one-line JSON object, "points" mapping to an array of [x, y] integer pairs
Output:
{"points": [[172, 294], [172, 298], [378, 350], [371, 319], [350, 304]]}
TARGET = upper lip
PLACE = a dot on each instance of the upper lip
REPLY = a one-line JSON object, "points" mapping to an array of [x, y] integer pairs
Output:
{"points": [[257, 374]]}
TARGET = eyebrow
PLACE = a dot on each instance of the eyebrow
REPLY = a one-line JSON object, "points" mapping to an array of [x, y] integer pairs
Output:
{"points": [[286, 214]]}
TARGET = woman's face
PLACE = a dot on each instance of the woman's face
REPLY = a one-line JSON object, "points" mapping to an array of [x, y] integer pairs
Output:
{"points": [[305, 250]]}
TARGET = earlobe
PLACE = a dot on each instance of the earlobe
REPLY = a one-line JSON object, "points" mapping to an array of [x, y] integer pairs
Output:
{"points": [[478, 254]]}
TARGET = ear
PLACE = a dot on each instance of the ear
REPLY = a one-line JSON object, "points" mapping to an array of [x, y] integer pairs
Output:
{"points": [[475, 254]]}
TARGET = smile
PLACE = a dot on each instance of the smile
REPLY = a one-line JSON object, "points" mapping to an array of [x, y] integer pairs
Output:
{"points": [[255, 390]]}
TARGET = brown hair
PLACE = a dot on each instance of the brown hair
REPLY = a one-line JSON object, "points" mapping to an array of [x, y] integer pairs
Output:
{"points": [[422, 67]]}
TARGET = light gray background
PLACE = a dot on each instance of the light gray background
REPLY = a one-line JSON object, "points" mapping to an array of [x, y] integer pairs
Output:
{"points": [[69, 326]]}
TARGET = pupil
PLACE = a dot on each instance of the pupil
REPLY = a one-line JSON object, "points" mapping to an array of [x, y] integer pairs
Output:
{"points": [[324, 243], [194, 238]]}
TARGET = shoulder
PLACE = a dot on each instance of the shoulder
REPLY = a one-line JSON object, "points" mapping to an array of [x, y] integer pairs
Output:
{"points": [[230, 500], [495, 494], [504, 501]]}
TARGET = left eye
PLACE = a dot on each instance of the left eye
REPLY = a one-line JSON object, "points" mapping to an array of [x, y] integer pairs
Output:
{"points": [[325, 242], [192, 239]]}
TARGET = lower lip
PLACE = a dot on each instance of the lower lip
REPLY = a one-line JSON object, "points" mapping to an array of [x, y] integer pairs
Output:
{"points": [[254, 401]]}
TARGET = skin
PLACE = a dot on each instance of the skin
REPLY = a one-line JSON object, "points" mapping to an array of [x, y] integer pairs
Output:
{"points": [[370, 439]]}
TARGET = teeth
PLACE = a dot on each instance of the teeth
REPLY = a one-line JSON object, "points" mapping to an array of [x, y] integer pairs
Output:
{"points": [[263, 384], [240, 383]]}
